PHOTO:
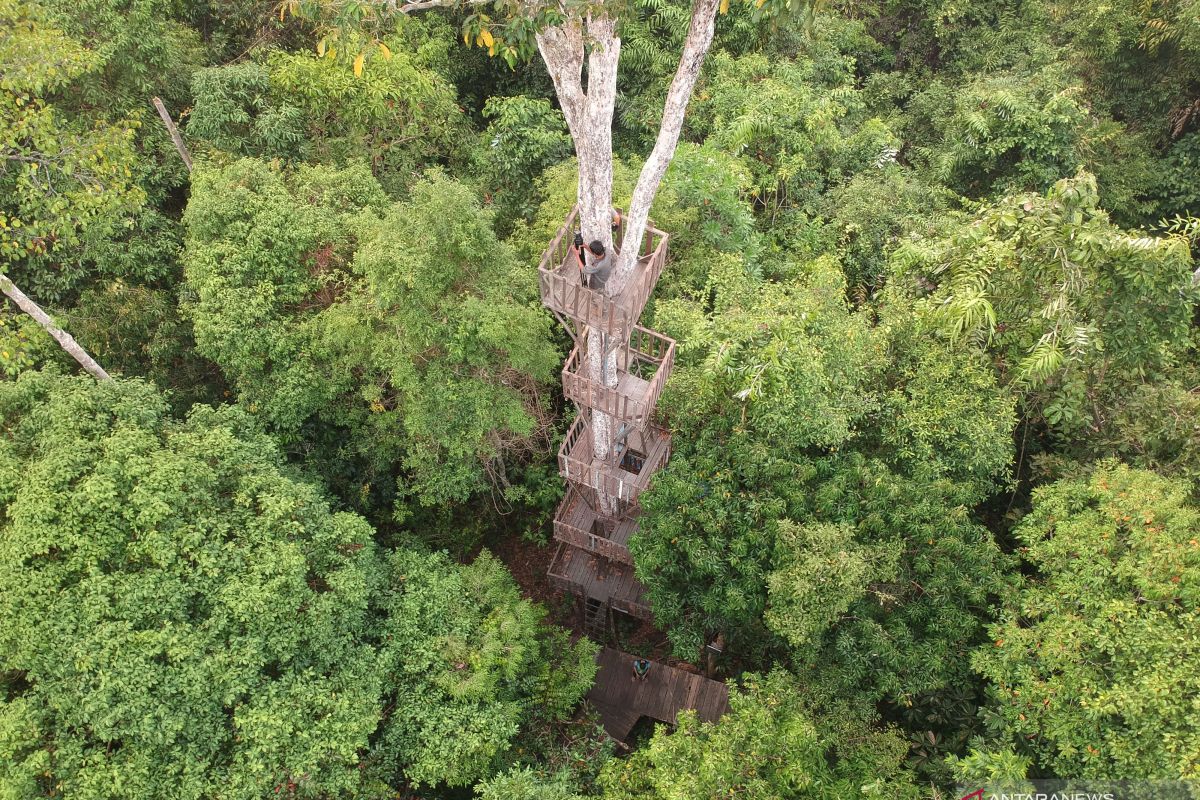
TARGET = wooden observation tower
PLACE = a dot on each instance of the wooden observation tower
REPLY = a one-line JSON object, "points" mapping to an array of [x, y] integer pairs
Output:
{"points": [[600, 511]]}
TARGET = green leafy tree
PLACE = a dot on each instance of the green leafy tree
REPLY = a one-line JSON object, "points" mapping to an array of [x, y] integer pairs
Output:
{"points": [[60, 176], [182, 616], [770, 745], [524, 136], [467, 668], [800, 124], [1073, 309], [178, 615], [1091, 664], [1007, 132], [818, 499], [399, 116], [392, 342]]}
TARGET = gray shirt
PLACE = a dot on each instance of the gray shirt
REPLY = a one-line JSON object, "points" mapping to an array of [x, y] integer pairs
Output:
{"points": [[597, 269]]}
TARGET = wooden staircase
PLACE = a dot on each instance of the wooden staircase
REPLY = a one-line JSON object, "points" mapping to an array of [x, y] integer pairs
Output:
{"points": [[593, 560]]}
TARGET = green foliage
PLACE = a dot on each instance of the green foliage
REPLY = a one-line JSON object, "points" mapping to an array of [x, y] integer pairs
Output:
{"points": [[330, 309], [790, 360], [1141, 58], [1071, 306], [821, 573], [1091, 663], [787, 118], [235, 112], [525, 784], [59, 176], [354, 28], [943, 417], [178, 615], [768, 746], [1009, 132], [524, 136], [466, 667], [811, 504], [142, 49], [398, 115], [136, 331]]}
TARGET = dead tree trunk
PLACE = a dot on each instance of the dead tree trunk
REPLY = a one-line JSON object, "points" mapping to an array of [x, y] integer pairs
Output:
{"points": [[64, 339], [180, 147]]}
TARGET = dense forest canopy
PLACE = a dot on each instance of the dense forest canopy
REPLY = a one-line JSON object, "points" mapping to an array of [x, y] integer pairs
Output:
{"points": [[934, 485]]}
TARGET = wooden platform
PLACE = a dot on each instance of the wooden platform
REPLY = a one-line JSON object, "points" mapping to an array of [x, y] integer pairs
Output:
{"points": [[579, 572], [622, 699], [644, 453], [578, 524]]}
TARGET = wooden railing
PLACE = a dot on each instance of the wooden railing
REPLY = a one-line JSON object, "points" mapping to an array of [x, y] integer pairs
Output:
{"points": [[646, 362], [620, 590], [558, 575], [577, 464], [563, 293], [575, 522]]}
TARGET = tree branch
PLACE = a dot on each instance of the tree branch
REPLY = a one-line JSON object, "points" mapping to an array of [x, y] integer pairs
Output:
{"points": [[695, 48], [423, 5], [180, 147], [64, 339]]}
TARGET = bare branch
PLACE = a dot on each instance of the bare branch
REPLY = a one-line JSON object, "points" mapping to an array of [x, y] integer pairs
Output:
{"points": [[171, 129], [695, 48], [423, 5], [64, 339]]}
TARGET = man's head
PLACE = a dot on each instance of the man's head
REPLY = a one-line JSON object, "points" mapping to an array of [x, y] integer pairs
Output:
{"points": [[596, 248]]}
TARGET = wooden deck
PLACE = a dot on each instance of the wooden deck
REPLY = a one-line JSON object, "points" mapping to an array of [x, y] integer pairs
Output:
{"points": [[579, 572], [645, 453], [558, 281], [577, 523], [622, 699], [643, 367]]}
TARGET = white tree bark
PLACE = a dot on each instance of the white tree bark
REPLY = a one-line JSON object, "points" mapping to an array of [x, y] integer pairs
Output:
{"points": [[589, 119], [593, 144], [695, 48], [64, 339]]}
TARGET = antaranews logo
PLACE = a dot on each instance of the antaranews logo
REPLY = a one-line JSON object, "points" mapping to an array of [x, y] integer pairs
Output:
{"points": [[1084, 790], [979, 794]]}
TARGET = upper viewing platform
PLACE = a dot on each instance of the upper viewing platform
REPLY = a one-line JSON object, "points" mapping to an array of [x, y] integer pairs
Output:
{"points": [[564, 293]]}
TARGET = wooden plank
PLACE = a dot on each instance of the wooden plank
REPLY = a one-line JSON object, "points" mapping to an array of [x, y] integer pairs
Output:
{"points": [[622, 699]]}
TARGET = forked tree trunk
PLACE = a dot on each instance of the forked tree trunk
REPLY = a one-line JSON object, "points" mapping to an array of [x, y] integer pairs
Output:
{"points": [[589, 115]]}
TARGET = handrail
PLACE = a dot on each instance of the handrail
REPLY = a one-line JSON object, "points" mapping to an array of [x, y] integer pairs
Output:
{"points": [[577, 464], [563, 293], [632, 402]]}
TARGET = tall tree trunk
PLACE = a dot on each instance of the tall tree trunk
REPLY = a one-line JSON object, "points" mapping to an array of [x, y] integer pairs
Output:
{"points": [[65, 340], [589, 117], [593, 145]]}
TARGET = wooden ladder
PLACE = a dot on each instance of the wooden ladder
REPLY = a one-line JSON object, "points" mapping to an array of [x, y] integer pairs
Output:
{"points": [[595, 618]]}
